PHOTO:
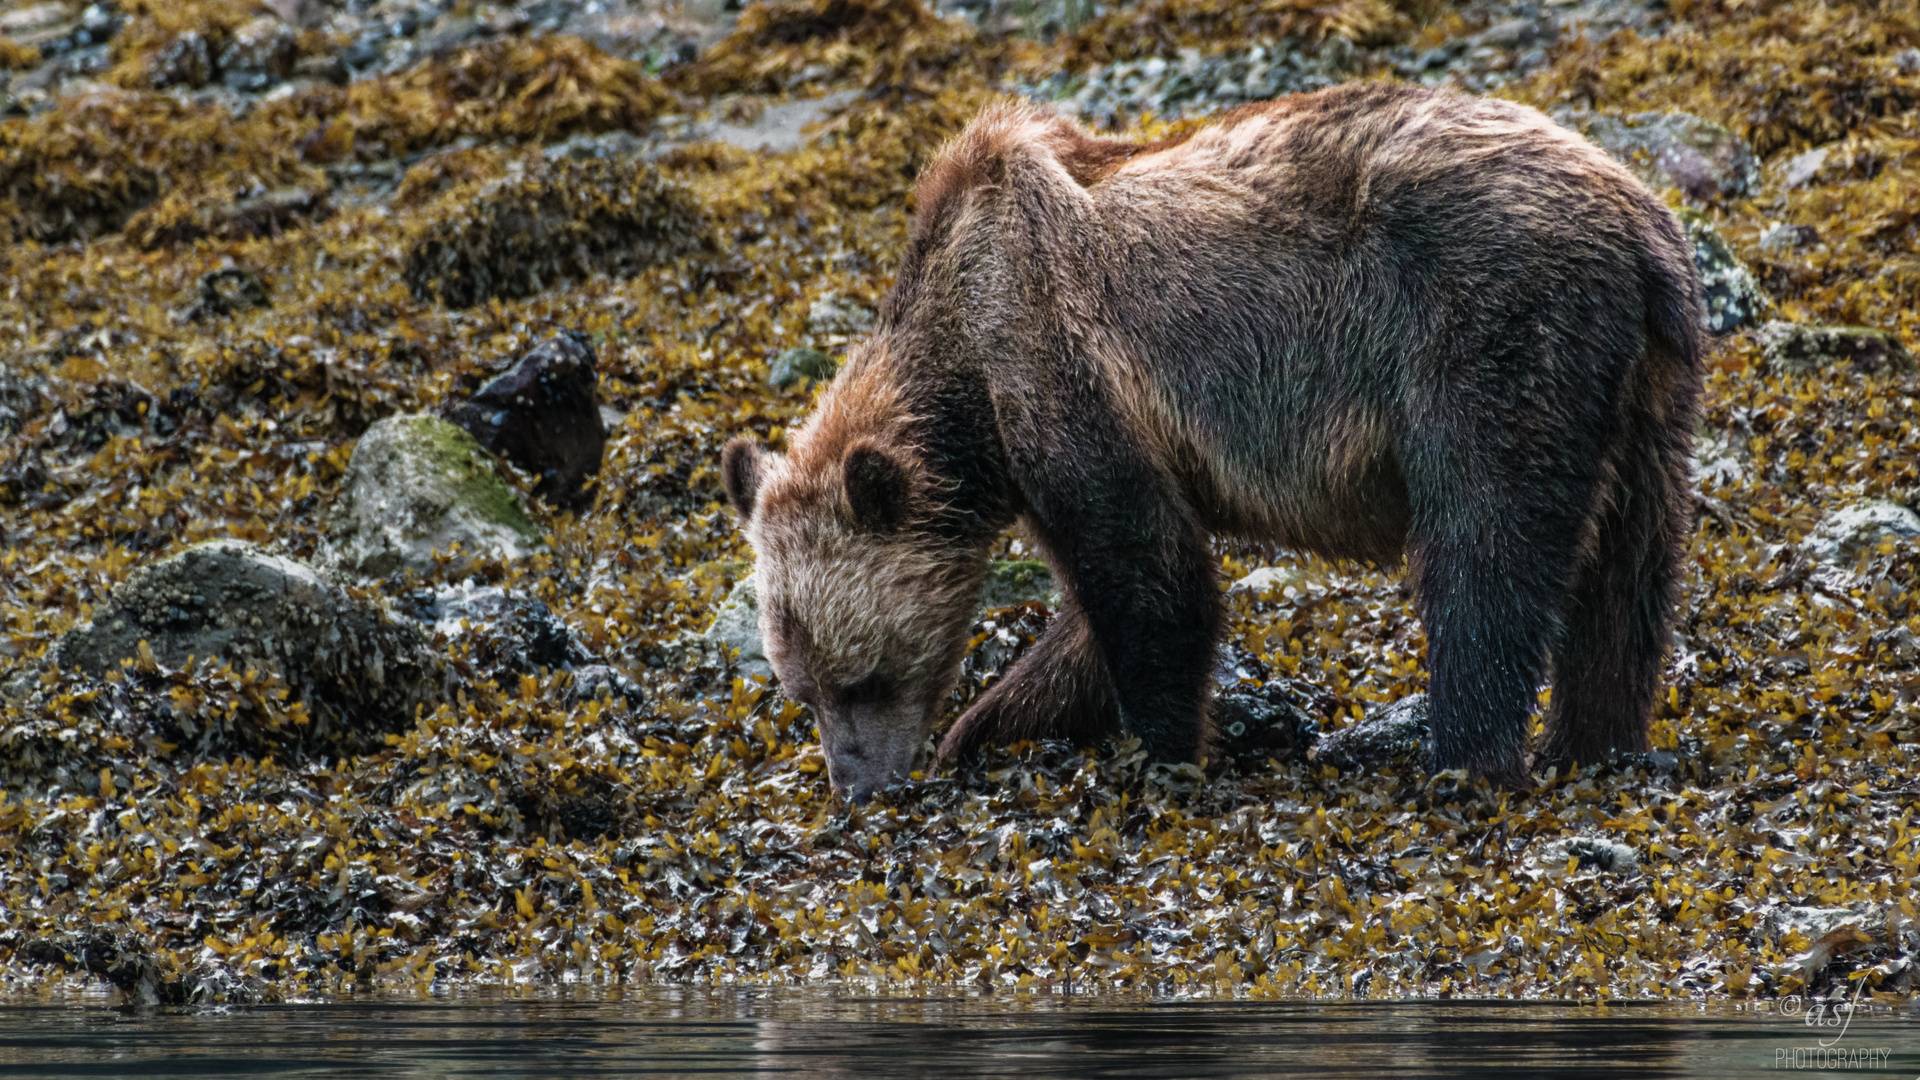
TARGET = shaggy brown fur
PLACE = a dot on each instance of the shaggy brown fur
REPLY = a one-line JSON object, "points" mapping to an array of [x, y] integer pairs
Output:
{"points": [[1369, 321]]}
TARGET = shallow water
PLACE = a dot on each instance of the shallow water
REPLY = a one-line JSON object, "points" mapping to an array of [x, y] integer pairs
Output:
{"points": [[719, 1033]]}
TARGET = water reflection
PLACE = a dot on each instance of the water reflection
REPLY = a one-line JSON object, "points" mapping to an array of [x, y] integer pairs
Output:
{"points": [[667, 1032]]}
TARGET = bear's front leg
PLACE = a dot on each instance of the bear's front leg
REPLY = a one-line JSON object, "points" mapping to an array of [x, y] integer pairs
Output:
{"points": [[1137, 564], [1059, 690]]}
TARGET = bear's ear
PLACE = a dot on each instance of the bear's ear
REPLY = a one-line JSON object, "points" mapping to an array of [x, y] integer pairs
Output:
{"points": [[740, 474], [878, 489]]}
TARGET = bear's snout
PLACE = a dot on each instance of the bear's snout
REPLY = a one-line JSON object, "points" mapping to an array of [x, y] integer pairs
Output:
{"points": [[871, 747]]}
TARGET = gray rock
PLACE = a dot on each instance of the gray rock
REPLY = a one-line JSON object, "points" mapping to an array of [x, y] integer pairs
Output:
{"points": [[734, 636], [1907, 61], [780, 128], [417, 485], [608, 145], [502, 633], [1845, 534], [1018, 581], [187, 61], [1800, 348], [1268, 579], [1731, 298], [802, 363], [1802, 169], [1593, 853], [1781, 236], [1673, 149], [1395, 734], [258, 55], [591, 681], [358, 670], [835, 315]]}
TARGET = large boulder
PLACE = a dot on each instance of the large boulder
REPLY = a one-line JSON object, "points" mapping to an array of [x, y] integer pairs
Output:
{"points": [[543, 414], [1673, 149], [357, 669], [417, 485]]}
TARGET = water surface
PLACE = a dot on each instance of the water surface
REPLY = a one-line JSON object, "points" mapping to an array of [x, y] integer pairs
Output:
{"points": [[736, 1032]]}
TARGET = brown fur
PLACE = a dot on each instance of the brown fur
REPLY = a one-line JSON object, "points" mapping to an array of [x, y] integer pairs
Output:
{"points": [[1370, 320]]}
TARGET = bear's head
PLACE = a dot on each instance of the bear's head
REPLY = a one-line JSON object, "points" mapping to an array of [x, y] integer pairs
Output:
{"points": [[864, 606]]}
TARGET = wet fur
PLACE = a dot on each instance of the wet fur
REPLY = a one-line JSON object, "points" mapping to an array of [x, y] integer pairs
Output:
{"points": [[1365, 322]]}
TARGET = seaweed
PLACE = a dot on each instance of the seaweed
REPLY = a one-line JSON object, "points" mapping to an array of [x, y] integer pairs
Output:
{"points": [[181, 830]]}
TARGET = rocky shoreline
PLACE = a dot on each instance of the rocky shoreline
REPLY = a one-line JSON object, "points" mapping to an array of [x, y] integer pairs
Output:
{"points": [[371, 621]]}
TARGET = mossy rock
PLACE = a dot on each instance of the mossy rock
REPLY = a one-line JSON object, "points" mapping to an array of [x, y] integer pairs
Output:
{"points": [[1016, 581], [794, 365], [417, 485]]}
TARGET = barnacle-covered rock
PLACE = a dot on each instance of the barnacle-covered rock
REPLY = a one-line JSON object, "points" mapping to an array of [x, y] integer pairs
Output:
{"points": [[1731, 298], [1848, 532], [358, 670], [1397, 734], [1673, 149], [543, 414], [418, 485], [549, 222], [1798, 348]]}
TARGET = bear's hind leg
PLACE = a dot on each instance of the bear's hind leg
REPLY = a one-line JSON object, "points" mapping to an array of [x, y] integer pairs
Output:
{"points": [[1491, 548], [1059, 690], [1616, 621]]}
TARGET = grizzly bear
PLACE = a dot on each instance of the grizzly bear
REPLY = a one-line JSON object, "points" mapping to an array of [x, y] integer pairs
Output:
{"points": [[1370, 321]]}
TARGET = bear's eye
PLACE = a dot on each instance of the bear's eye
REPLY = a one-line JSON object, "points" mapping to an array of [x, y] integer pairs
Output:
{"points": [[868, 691]]}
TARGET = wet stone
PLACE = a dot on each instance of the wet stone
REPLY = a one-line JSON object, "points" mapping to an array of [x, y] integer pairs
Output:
{"points": [[503, 633], [543, 414], [359, 670], [417, 485], [228, 290], [1800, 348], [733, 638], [1846, 534], [1397, 734], [1592, 853]]}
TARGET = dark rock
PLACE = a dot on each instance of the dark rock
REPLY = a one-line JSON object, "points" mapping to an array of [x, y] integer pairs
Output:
{"points": [[1257, 718], [549, 222], [226, 291], [1673, 149], [360, 672], [802, 363], [543, 415], [1397, 734], [592, 681], [186, 61], [1800, 348]]}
